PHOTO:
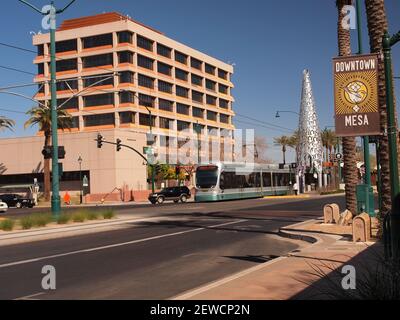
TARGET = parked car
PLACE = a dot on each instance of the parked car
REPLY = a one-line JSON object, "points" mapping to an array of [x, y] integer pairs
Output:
{"points": [[175, 194], [17, 201], [3, 207]]}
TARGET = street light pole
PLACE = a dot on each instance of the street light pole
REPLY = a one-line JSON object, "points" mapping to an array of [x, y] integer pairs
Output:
{"points": [[52, 12], [387, 43], [80, 180]]}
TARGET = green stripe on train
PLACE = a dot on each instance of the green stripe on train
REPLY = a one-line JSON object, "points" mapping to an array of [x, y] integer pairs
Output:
{"points": [[236, 196]]}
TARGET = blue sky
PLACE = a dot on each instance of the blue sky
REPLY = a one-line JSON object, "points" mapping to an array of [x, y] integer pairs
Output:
{"points": [[270, 43]]}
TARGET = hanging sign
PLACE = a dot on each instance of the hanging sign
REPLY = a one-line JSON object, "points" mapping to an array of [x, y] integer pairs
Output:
{"points": [[356, 95]]}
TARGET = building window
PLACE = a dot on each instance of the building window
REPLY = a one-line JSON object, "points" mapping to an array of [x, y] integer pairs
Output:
{"points": [[75, 123], [198, 113], [146, 81], [212, 131], [180, 57], [41, 88], [98, 100], [126, 97], [223, 89], [197, 64], [97, 41], [182, 92], [182, 125], [66, 65], [126, 77], [125, 57], [211, 100], [181, 75], [65, 46], [210, 69], [40, 49], [145, 43], [197, 96], [182, 109], [126, 117], [99, 120], [95, 81], [196, 80], [164, 68], [97, 61], [166, 123], [211, 85], [145, 62], [224, 104], [211, 116], [222, 74], [64, 85], [146, 101], [68, 103], [165, 105], [125, 37], [144, 120], [164, 86], [224, 118], [164, 51], [40, 67]]}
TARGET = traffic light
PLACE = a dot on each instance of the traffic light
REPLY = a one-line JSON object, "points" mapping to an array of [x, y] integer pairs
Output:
{"points": [[47, 152], [99, 141], [61, 152], [119, 146]]}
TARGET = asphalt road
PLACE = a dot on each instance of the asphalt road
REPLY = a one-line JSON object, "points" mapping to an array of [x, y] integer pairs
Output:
{"points": [[188, 246]]}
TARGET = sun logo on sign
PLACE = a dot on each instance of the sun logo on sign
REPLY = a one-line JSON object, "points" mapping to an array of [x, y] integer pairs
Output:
{"points": [[356, 92]]}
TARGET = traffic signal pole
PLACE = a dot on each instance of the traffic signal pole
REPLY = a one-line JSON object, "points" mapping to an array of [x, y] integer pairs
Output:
{"points": [[52, 12]]}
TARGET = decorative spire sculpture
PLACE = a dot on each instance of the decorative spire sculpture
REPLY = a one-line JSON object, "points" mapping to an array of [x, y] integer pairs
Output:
{"points": [[310, 149]]}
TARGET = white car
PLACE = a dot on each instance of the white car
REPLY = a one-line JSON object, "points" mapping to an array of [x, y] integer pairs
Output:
{"points": [[3, 207]]}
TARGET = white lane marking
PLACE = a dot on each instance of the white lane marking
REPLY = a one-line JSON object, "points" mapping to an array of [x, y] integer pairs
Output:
{"points": [[30, 297], [116, 245]]}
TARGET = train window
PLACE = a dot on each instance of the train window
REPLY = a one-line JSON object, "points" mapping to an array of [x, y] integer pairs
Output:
{"points": [[281, 179], [207, 177], [267, 182]]}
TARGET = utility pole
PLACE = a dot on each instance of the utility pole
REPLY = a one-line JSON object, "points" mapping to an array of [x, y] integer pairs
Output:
{"points": [[388, 42], [367, 160], [52, 13]]}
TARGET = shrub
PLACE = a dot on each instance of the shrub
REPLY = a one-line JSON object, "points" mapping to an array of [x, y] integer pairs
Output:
{"points": [[7, 225], [108, 214], [63, 218], [41, 219], [79, 216], [92, 215], [26, 223]]}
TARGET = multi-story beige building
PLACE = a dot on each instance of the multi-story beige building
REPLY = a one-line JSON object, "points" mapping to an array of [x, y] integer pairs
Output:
{"points": [[113, 72]]}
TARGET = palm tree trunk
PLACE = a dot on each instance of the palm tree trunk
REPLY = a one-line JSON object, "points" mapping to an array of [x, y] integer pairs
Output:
{"points": [[377, 25], [349, 144], [46, 170]]}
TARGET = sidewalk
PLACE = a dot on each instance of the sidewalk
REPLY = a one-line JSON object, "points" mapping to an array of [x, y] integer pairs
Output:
{"points": [[285, 277]]}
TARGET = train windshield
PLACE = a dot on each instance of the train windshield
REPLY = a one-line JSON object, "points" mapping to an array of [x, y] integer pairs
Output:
{"points": [[207, 177]]}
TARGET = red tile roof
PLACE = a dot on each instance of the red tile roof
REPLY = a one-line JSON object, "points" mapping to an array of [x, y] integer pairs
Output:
{"points": [[98, 19]]}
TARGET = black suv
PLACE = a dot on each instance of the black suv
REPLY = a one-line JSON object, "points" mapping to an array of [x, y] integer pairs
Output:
{"points": [[17, 201], [175, 194]]}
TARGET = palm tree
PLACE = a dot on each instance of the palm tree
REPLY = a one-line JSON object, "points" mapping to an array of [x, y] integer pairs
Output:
{"points": [[377, 25], [284, 142], [349, 143], [329, 140], [6, 123], [41, 116]]}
